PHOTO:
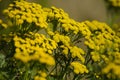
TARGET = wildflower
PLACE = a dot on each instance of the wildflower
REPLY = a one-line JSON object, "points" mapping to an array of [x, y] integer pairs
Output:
{"points": [[105, 58], [59, 37], [20, 21], [45, 58], [96, 75], [91, 26], [64, 39], [95, 56], [42, 73], [79, 68], [49, 51], [50, 33], [54, 44], [26, 12], [65, 49], [112, 67], [77, 52], [29, 49]]}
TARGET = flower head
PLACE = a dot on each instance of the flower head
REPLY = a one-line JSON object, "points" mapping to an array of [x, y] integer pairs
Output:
{"points": [[23, 11]]}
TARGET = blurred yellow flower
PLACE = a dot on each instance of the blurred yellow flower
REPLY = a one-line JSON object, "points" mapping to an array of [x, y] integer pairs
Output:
{"points": [[115, 3], [79, 68]]}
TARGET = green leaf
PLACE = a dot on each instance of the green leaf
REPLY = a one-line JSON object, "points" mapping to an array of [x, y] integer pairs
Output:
{"points": [[2, 60]]}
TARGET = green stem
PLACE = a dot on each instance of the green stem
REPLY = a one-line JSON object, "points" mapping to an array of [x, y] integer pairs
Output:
{"points": [[27, 67]]}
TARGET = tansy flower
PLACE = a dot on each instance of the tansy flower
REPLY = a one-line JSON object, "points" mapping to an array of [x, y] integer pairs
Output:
{"points": [[95, 56], [23, 11], [77, 52], [112, 68], [29, 49], [79, 68]]}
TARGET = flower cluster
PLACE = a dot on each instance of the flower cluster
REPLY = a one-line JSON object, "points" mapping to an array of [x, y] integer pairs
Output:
{"points": [[66, 33], [98, 36], [34, 49], [104, 46], [25, 13], [113, 9], [49, 41], [79, 68]]}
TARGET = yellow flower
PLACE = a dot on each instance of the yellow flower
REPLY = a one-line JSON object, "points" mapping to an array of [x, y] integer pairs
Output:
{"points": [[112, 67], [22, 56], [95, 56], [4, 25], [90, 44], [77, 52], [105, 58], [91, 26], [115, 3], [79, 68], [29, 49], [42, 73], [17, 16], [20, 21], [65, 49], [45, 58], [56, 38], [29, 20], [50, 51], [17, 50], [27, 12], [54, 44]]}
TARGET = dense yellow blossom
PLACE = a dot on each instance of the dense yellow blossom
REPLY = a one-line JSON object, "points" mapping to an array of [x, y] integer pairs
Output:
{"points": [[63, 19], [51, 37], [95, 56], [99, 37], [55, 13], [61, 38], [105, 58], [32, 49], [77, 52], [79, 68], [112, 68], [104, 45], [42, 73], [22, 12], [65, 49], [102, 36]]}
